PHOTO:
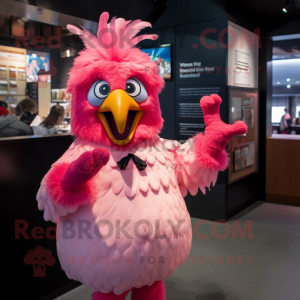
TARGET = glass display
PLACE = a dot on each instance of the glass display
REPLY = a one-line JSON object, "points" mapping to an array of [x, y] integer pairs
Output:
{"points": [[243, 150], [3, 87], [21, 74], [13, 87], [3, 72], [12, 73]]}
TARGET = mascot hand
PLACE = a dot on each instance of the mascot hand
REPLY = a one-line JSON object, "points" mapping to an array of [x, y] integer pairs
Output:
{"points": [[84, 168], [217, 133]]}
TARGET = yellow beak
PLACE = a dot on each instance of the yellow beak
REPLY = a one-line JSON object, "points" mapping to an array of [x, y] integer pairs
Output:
{"points": [[119, 103]]}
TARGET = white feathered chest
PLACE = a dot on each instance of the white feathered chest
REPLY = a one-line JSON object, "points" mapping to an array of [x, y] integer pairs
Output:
{"points": [[138, 231]]}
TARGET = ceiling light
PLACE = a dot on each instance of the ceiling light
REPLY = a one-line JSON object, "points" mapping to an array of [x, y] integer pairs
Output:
{"points": [[68, 53], [297, 81], [287, 7], [278, 82], [288, 86], [288, 79]]}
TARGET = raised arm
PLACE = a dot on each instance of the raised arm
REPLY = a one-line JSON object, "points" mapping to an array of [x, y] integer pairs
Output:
{"points": [[202, 157]]}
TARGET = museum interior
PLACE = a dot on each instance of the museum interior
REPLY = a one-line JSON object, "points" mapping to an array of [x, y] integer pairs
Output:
{"points": [[244, 235]]}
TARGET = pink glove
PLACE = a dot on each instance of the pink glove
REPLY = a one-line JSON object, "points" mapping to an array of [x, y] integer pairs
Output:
{"points": [[210, 149], [84, 168]]}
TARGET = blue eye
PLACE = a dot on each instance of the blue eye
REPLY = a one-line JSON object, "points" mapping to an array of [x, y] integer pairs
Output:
{"points": [[98, 92], [136, 90]]}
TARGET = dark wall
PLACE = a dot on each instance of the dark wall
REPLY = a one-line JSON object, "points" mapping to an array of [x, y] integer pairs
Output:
{"points": [[186, 12], [91, 9], [62, 66], [23, 163], [181, 25]]}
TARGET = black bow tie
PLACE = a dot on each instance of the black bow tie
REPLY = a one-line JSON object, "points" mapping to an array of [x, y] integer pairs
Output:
{"points": [[140, 164]]}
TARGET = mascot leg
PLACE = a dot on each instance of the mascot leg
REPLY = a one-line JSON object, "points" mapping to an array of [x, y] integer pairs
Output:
{"points": [[109, 296], [154, 292]]}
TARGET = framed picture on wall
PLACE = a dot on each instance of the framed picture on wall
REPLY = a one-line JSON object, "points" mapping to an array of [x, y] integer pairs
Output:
{"points": [[244, 156], [162, 57], [37, 61], [243, 149]]}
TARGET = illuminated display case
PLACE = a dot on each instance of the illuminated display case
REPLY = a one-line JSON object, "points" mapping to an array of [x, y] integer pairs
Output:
{"points": [[243, 150], [12, 74]]}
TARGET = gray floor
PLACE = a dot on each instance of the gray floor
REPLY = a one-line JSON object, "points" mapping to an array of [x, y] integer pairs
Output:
{"points": [[273, 273]]}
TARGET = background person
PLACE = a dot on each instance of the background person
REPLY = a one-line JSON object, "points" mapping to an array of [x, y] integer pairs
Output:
{"points": [[3, 104], [11, 126], [51, 124], [18, 111], [285, 122], [28, 109], [296, 121]]}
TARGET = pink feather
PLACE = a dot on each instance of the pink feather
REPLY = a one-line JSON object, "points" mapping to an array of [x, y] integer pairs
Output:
{"points": [[110, 35], [114, 195]]}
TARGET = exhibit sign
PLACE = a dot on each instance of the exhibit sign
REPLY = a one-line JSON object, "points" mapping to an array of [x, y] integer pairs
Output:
{"points": [[199, 71], [243, 45], [200, 56], [189, 115]]}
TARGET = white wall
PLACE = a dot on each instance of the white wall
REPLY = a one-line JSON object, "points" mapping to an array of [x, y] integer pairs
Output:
{"points": [[251, 55]]}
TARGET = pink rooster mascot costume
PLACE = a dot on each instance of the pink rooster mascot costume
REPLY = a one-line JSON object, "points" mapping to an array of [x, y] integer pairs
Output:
{"points": [[117, 193]]}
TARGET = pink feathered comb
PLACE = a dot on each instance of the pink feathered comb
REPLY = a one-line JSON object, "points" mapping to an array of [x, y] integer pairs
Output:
{"points": [[114, 36]]}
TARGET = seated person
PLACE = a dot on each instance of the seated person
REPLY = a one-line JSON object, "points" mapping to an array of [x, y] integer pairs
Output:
{"points": [[298, 119], [285, 122], [18, 111], [28, 108], [3, 104], [11, 126], [51, 124]]}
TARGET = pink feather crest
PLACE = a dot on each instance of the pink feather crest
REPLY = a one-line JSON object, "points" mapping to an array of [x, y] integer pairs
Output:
{"points": [[113, 37]]}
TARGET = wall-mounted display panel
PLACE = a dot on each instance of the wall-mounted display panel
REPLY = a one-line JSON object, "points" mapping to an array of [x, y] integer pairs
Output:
{"points": [[243, 45], [162, 57], [243, 150], [37, 61]]}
